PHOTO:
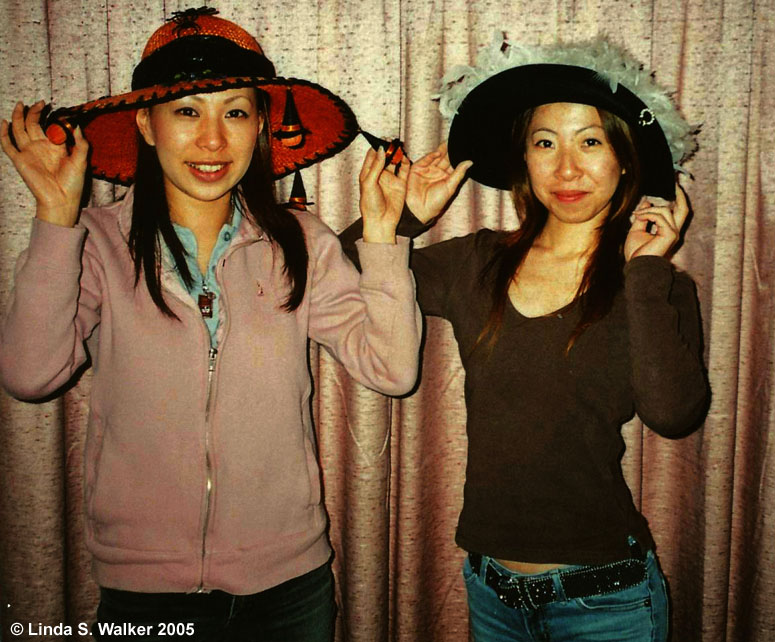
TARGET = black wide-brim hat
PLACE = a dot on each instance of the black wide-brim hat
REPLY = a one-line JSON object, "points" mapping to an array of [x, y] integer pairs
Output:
{"points": [[483, 122], [198, 52]]}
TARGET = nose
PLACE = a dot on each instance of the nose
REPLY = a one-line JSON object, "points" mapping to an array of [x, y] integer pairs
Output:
{"points": [[211, 135], [567, 165]]}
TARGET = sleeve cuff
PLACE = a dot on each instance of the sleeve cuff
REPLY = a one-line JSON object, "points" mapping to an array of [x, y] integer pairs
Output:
{"points": [[411, 226], [648, 277], [383, 261], [56, 247]]}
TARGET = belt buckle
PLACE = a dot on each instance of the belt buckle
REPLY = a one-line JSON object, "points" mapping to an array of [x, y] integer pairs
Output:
{"points": [[508, 589], [521, 592]]}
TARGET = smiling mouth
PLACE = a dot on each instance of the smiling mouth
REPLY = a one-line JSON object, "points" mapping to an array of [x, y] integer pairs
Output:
{"points": [[207, 167]]}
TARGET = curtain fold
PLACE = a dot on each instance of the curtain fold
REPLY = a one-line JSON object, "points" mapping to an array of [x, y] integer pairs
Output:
{"points": [[393, 469]]}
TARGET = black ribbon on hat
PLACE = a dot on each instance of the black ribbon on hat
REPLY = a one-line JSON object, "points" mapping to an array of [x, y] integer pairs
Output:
{"points": [[198, 58]]}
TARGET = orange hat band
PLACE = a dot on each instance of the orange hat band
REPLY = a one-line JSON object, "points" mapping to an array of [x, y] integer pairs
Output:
{"points": [[197, 58]]}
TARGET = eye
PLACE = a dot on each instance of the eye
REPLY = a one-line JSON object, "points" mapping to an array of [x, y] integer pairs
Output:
{"points": [[592, 142], [186, 111], [236, 113], [543, 143]]}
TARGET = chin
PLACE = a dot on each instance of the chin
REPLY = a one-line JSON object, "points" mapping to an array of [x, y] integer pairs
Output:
{"points": [[210, 193]]}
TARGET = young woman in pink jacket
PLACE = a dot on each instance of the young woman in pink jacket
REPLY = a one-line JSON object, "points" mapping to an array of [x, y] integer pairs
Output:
{"points": [[193, 300]]}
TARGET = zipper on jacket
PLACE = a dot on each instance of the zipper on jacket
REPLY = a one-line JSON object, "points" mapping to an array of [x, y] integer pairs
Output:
{"points": [[212, 355], [208, 463]]}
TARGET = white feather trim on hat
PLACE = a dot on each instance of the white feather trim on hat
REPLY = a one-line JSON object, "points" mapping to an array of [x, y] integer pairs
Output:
{"points": [[609, 61]]}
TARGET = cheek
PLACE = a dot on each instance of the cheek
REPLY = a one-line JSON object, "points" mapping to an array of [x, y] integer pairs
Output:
{"points": [[167, 140], [245, 147], [611, 175], [607, 169], [536, 172]]}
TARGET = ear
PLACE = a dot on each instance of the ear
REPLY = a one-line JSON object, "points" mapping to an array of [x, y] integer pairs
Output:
{"points": [[260, 124], [143, 120]]}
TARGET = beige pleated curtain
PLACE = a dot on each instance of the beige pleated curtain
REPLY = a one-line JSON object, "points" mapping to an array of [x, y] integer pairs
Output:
{"points": [[394, 469]]}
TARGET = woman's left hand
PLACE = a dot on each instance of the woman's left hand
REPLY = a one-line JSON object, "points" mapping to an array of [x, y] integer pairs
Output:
{"points": [[383, 193], [656, 228]]}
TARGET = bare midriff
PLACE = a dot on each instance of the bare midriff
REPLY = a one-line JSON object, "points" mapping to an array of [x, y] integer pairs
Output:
{"points": [[528, 568]]}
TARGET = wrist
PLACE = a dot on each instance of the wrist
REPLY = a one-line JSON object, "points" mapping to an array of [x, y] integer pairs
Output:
{"points": [[65, 216], [380, 238], [419, 212], [379, 233]]}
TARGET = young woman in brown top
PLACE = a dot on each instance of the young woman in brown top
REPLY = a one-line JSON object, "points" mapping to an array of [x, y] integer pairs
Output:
{"points": [[565, 327]]}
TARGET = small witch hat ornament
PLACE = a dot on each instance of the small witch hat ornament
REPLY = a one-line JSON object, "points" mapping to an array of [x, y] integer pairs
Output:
{"points": [[394, 149], [298, 200], [291, 132]]}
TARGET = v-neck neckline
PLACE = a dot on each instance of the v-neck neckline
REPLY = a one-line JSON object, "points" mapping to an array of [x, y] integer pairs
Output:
{"points": [[559, 313]]}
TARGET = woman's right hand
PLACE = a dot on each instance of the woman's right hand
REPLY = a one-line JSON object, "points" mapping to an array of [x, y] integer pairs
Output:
{"points": [[54, 174], [432, 183]]}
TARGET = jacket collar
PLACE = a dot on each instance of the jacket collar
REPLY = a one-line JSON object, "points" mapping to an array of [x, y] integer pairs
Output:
{"points": [[248, 231], [246, 234]]}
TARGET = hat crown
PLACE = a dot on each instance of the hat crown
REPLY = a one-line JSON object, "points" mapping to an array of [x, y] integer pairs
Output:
{"points": [[196, 22]]}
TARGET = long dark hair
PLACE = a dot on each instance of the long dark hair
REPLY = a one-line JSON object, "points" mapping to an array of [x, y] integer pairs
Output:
{"points": [[603, 273], [151, 219]]}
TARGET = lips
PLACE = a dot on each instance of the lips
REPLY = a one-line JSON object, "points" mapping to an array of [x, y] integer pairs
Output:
{"points": [[208, 171], [569, 196]]}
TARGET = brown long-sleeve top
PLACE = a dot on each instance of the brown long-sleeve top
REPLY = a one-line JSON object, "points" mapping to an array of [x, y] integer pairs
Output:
{"points": [[544, 481]]}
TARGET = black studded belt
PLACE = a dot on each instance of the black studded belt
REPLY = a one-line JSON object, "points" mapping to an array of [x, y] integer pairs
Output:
{"points": [[526, 591]]}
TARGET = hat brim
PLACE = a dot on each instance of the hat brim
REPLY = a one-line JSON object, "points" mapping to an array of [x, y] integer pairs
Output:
{"points": [[482, 129], [109, 123]]}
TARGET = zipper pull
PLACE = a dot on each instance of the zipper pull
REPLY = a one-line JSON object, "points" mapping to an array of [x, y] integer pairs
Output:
{"points": [[205, 302], [212, 354]]}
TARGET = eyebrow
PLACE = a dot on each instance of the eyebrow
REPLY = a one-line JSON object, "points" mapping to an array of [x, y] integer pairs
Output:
{"points": [[199, 99], [578, 131]]}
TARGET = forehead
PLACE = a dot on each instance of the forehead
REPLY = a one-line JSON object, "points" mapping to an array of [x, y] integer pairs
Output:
{"points": [[559, 116], [215, 99]]}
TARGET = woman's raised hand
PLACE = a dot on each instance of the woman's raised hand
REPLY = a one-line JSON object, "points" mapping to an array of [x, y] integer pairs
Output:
{"points": [[54, 174], [383, 192], [656, 227], [432, 183]]}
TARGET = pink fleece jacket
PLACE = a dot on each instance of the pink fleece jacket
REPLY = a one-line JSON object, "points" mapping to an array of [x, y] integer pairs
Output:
{"points": [[200, 469]]}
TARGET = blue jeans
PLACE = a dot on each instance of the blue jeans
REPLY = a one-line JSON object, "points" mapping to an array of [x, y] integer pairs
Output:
{"points": [[299, 610], [635, 614]]}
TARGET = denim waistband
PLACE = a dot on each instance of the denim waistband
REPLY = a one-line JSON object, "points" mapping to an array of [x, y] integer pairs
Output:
{"points": [[531, 591]]}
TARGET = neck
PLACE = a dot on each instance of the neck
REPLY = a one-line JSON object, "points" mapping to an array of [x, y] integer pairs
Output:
{"points": [[569, 240], [202, 218]]}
